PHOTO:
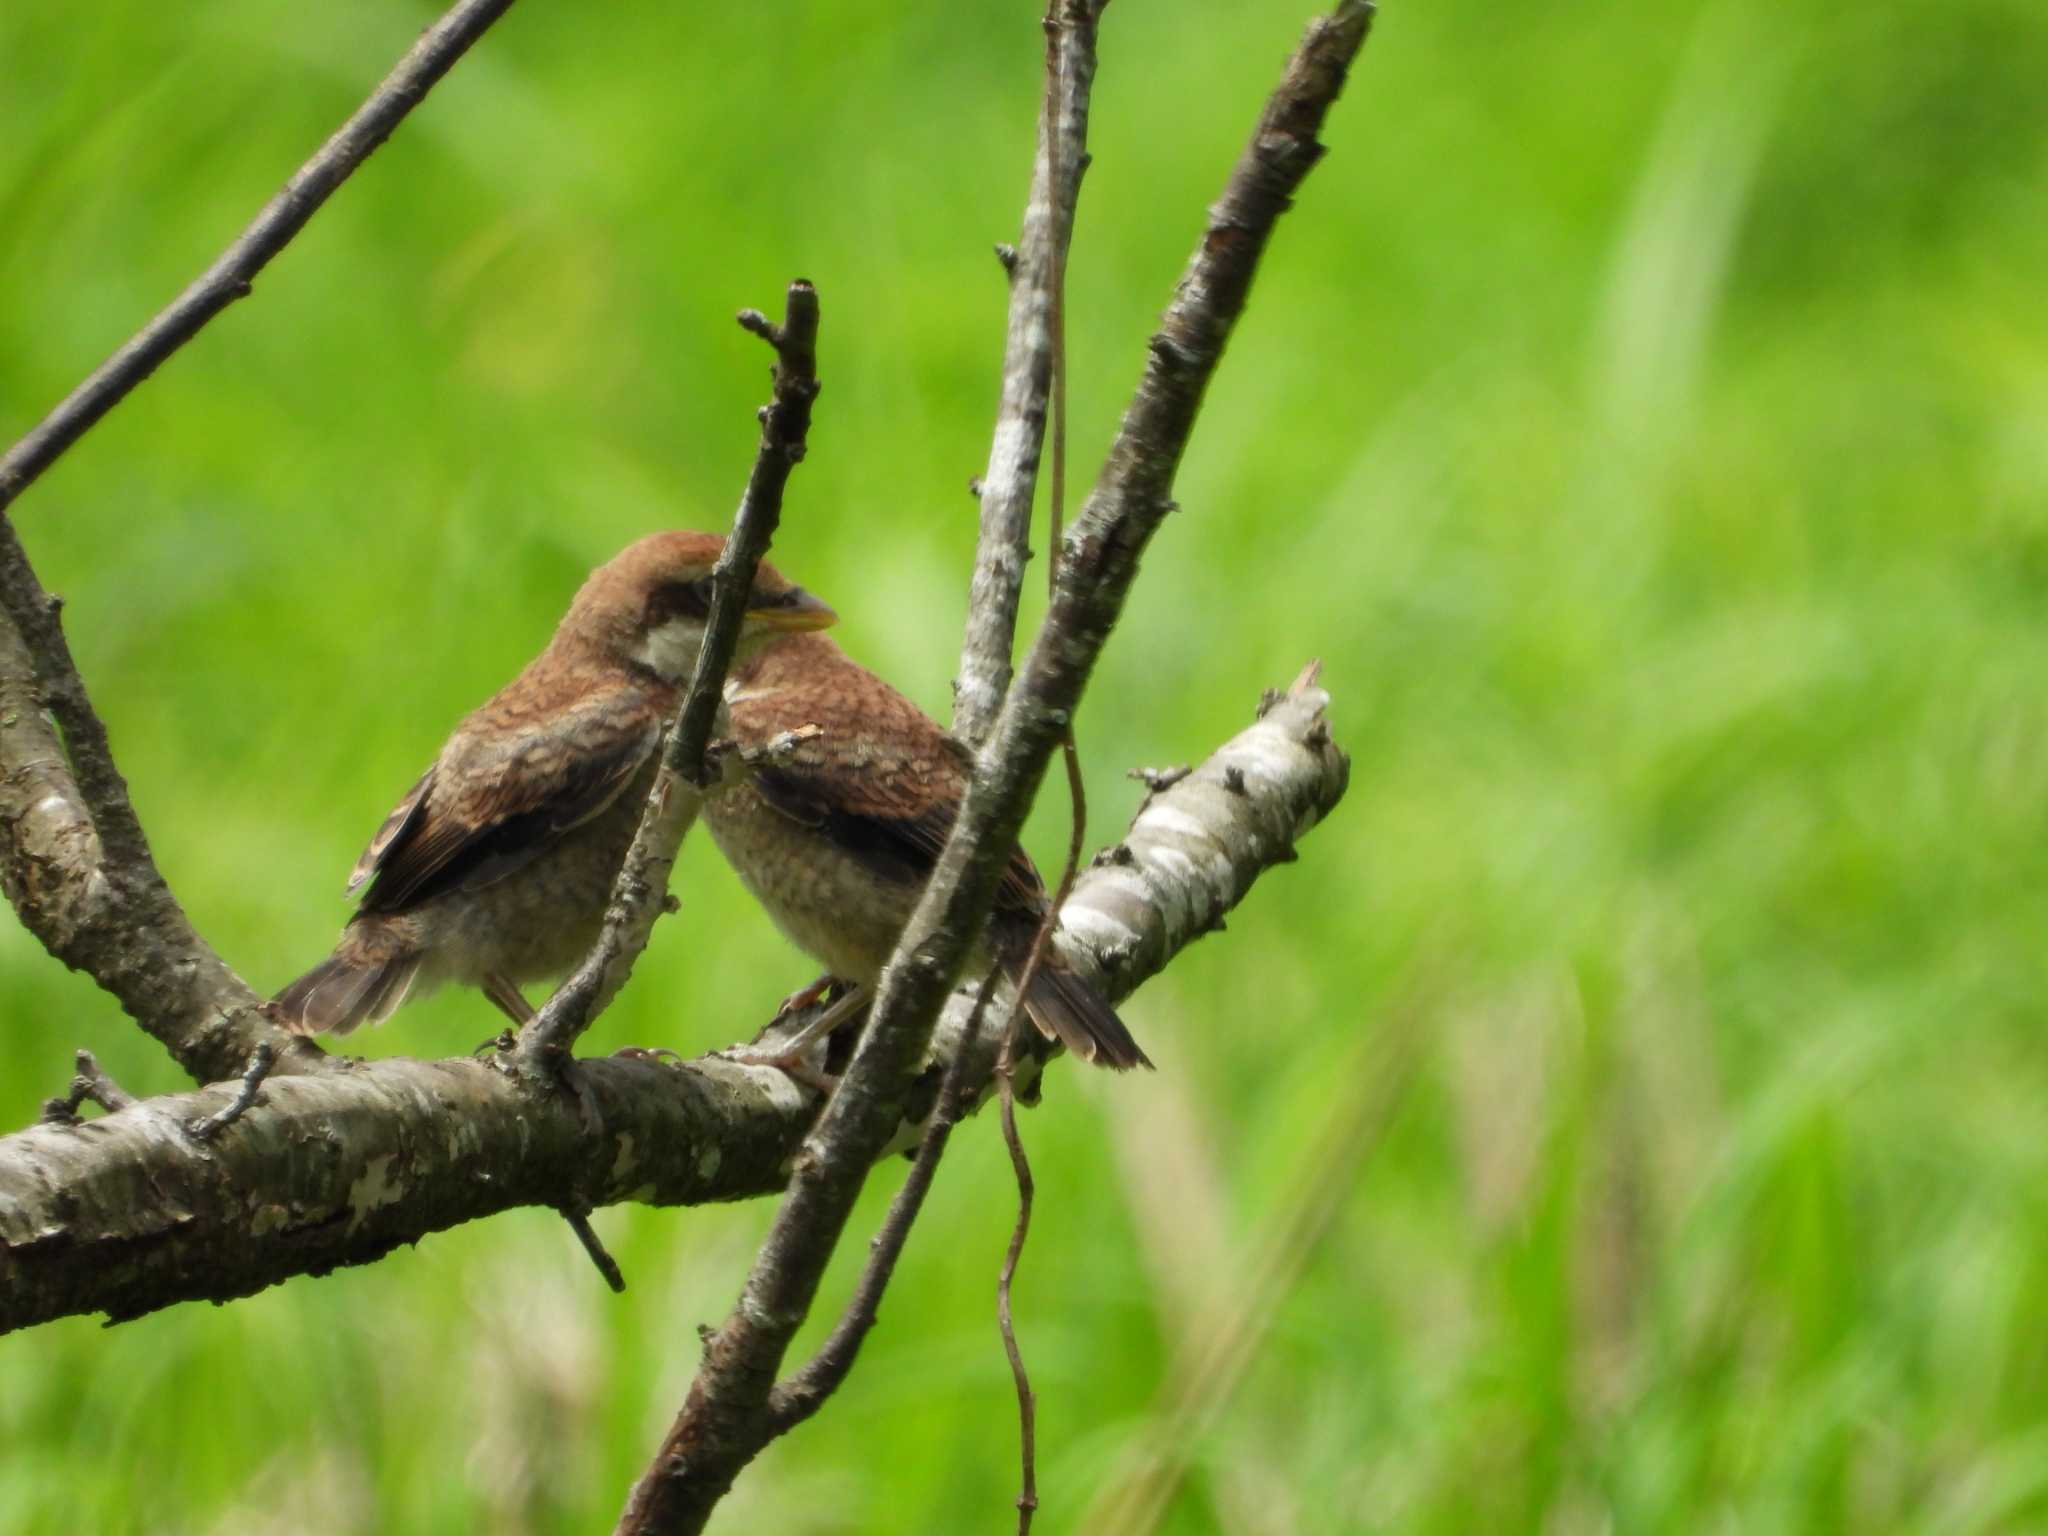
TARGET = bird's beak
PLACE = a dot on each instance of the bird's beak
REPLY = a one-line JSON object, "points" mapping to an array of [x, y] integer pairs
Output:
{"points": [[790, 611]]}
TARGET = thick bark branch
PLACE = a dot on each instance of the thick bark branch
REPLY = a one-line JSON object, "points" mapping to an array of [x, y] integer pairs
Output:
{"points": [[130, 1213], [127, 1213], [725, 1418], [235, 269], [1036, 270]]}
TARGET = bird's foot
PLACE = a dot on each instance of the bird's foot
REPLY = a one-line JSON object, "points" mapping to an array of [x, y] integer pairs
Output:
{"points": [[649, 1053], [791, 1056], [803, 997], [794, 1064]]}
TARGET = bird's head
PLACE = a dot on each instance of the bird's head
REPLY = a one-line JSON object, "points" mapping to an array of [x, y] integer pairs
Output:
{"points": [[648, 605]]}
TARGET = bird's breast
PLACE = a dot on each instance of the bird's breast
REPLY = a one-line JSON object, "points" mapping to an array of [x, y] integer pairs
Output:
{"points": [[829, 904]]}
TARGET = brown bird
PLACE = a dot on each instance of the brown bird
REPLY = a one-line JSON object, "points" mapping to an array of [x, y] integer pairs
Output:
{"points": [[837, 826], [495, 868]]}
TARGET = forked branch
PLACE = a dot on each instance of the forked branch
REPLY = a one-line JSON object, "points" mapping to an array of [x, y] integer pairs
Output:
{"points": [[724, 1420]]}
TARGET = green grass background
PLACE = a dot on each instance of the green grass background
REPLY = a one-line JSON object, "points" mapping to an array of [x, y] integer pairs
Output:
{"points": [[1645, 415]]}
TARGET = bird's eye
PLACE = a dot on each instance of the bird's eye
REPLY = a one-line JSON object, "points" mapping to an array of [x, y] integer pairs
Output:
{"points": [[679, 599]]}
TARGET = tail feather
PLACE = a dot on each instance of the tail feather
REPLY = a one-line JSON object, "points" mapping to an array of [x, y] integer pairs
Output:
{"points": [[1068, 1009], [360, 983]]}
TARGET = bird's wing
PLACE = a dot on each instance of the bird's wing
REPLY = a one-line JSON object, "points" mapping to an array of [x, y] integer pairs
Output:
{"points": [[873, 773], [503, 790], [396, 825]]}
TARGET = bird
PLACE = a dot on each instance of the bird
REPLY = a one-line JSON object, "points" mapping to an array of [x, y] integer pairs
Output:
{"points": [[495, 868], [836, 824]]}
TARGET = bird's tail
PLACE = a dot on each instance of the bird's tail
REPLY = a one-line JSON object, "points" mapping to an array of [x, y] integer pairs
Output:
{"points": [[1067, 1009], [362, 982]]}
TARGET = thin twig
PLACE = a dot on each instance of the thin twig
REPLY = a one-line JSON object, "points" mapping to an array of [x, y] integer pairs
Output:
{"points": [[233, 271], [578, 1217], [91, 1084], [1036, 266], [803, 1392], [639, 893], [207, 1127], [1006, 1086], [1027, 1400]]}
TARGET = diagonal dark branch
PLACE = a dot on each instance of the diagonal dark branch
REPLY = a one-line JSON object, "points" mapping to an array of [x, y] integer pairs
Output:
{"points": [[127, 1215], [1011, 481], [804, 1391], [673, 801], [1034, 351], [231, 274], [724, 1420]]}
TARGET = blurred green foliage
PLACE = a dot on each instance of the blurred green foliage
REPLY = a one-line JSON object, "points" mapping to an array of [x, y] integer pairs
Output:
{"points": [[1645, 414]]}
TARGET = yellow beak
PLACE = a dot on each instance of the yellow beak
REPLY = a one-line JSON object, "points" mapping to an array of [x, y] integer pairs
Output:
{"points": [[791, 611]]}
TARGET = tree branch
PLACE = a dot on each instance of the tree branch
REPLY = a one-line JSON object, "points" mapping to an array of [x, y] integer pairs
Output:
{"points": [[77, 868], [1036, 268], [231, 274], [126, 1214], [73, 857], [673, 801], [804, 1392], [724, 1419]]}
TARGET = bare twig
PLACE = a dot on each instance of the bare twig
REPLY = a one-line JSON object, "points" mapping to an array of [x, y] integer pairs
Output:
{"points": [[578, 1217], [136, 1217], [1156, 779], [91, 1083], [207, 1127], [1027, 1400], [804, 1391], [1005, 1077], [1036, 266], [638, 895], [1006, 1087], [231, 274]]}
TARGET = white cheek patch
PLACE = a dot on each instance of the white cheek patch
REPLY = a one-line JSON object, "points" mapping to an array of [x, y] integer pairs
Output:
{"points": [[670, 652]]}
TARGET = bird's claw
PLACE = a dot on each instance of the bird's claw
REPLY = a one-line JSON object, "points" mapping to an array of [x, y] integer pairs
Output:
{"points": [[794, 1065], [802, 998]]}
